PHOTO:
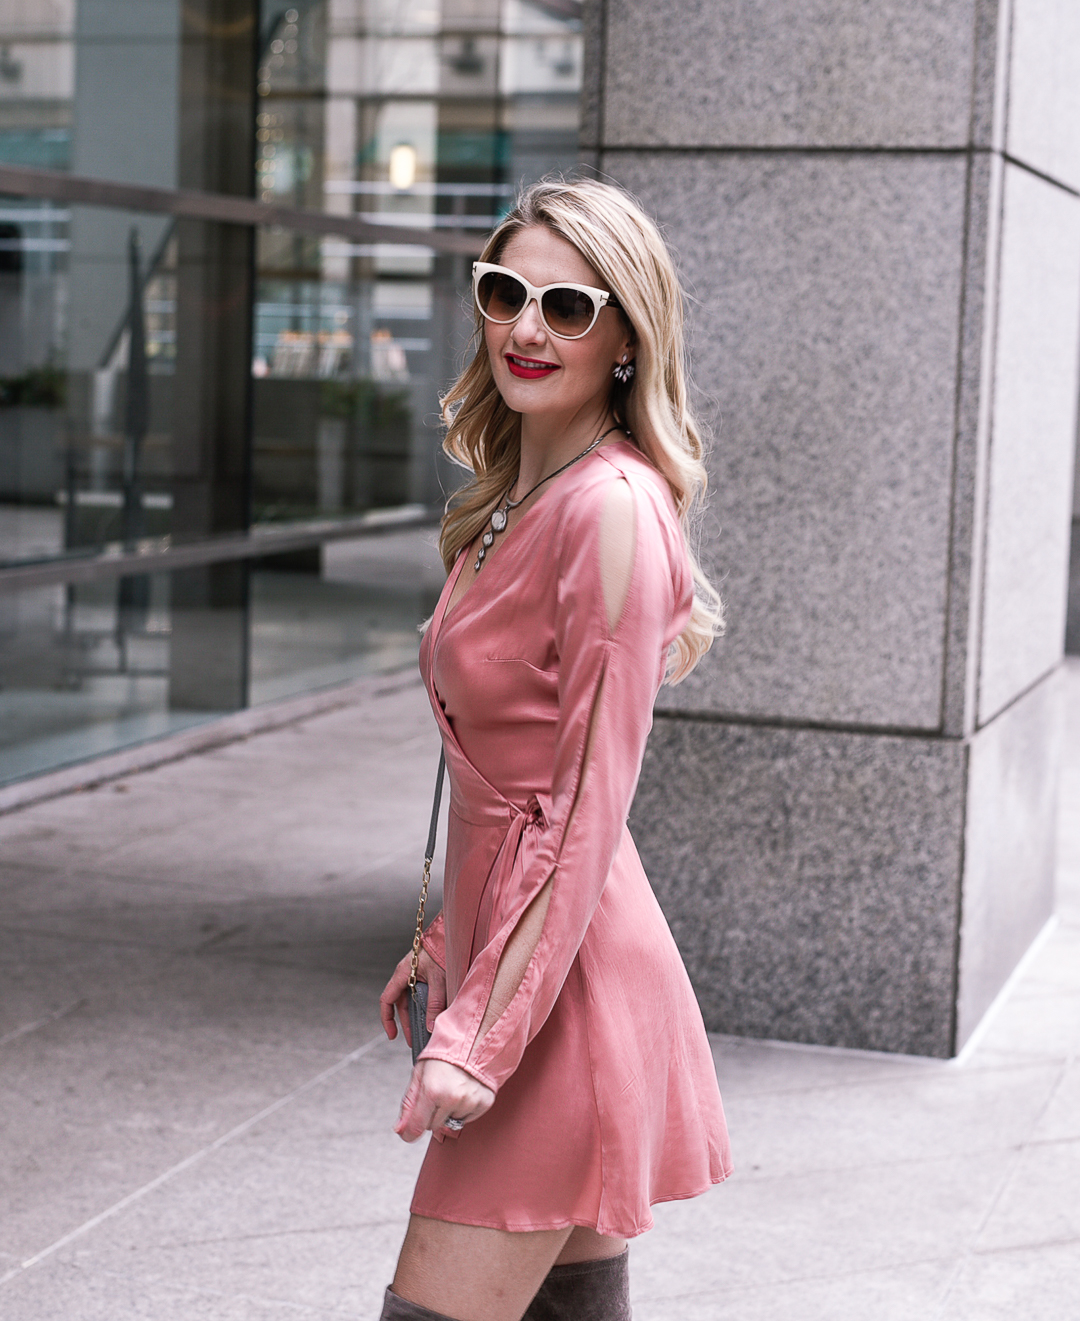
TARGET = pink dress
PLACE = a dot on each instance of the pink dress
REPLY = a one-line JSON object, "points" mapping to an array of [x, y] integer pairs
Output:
{"points": [[606, 1096]]}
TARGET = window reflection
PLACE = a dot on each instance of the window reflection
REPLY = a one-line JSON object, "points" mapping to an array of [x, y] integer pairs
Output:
{"points": [[407, 113], [166, 382]]}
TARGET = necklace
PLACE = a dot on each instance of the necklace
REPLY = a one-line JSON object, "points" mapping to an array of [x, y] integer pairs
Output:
{"points": [[499, 515]]}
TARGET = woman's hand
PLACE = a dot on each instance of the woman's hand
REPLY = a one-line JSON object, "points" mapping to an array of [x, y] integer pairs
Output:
{"points": [[396, 994], [438, 1091]]}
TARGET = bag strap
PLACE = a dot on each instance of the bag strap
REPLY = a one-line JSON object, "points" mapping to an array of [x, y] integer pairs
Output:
{"points": [[429, 854]]}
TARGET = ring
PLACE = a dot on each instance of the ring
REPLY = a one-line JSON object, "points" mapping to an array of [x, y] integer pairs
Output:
{"points": [[454, 1125]]}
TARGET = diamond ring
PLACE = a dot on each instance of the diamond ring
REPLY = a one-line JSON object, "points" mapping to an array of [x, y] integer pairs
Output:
{"points": [[454, 1125]]}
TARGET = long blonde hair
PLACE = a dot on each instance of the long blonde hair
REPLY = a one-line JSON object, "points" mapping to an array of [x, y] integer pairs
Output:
{"points": [[625, 248]]}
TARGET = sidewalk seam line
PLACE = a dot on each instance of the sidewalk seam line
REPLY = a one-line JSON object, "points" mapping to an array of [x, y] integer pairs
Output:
{"points": [[1011, 1165], [27, 1028], [189, 1161]]}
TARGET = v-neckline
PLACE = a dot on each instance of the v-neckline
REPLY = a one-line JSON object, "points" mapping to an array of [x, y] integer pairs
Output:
{"points": [[452, 606]]}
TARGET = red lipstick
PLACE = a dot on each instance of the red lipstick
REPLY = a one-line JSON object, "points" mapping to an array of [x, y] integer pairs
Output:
{"points": [[529, 369]]}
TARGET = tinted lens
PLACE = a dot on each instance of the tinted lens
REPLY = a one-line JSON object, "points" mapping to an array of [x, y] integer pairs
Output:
{"points": [[501, 297], [568, 311]]}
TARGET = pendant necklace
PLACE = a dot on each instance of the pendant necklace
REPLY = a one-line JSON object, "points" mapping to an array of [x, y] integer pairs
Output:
{"points": [[499, 515]]}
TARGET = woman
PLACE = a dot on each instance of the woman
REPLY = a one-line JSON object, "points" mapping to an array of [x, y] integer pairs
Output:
{"points": [[568, 1081]]}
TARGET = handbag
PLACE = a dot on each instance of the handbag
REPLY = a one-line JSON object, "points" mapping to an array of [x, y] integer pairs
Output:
{"points": [[418, 991]]}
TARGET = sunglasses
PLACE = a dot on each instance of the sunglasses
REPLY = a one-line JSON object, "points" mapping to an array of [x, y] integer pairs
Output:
{"points": [[567, 310]]}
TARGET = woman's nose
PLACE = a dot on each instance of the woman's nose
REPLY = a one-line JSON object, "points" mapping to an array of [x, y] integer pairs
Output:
{"points": [[529, 327]]}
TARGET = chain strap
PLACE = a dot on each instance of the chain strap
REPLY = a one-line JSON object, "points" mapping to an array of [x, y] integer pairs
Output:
{"points": [[417, 938], [429, 854]]}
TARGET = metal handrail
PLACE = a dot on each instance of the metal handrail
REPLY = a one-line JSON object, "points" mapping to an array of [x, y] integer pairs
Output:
{"points": [[160, 556], [56, 186]]}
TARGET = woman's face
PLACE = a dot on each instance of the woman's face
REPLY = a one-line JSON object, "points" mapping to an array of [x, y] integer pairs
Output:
{"points": [[576, 373]]}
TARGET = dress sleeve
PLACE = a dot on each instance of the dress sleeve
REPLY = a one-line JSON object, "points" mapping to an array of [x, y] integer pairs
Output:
{"points": [[434, 941], [608, 680]]}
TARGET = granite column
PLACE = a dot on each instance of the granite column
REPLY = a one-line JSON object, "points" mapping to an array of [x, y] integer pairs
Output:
{"points": [[848, 811]]}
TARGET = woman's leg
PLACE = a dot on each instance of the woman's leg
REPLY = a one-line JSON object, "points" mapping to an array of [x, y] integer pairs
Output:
{"points": [[587, 1245], [475, 1274]]}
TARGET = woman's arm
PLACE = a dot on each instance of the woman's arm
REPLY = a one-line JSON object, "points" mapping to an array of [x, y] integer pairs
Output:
{"points": [[618, 611], [617, 537]]}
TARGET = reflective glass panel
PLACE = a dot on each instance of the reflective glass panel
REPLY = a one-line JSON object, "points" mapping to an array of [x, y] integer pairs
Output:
{"points": [[86, 407], [348, 609], [165, 382], [84, 669], [403, 112]]}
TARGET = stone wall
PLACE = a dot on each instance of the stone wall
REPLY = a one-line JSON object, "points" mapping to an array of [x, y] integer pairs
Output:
{"points": [[848, 809]]}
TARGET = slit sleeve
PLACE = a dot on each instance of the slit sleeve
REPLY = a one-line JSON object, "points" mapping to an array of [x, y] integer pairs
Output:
{"points": [[434, 940], [609, 674]]}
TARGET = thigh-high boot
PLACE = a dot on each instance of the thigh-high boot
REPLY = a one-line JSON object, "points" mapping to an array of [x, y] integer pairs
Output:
{"points": [[584, 1291], [396, 1308]]}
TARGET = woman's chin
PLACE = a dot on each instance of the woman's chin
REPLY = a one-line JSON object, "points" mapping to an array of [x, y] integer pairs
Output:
{"points": [[530, 396], [545, 397]]}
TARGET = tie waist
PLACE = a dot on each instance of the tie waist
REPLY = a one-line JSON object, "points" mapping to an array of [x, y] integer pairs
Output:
{"points": [[479, 803]]}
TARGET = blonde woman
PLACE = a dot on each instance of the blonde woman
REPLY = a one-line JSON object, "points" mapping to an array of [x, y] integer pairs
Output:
{"points": [[568, 1082]]}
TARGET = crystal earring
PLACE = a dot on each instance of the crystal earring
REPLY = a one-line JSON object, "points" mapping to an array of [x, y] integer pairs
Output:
{"points": [[623, 371]]}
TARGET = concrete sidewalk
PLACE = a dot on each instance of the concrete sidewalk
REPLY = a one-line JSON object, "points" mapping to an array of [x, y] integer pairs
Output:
{"points": [[197, 1101]]}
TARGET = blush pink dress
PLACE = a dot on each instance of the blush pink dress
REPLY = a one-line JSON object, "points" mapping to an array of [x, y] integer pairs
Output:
{"points": [[606, 1096]]}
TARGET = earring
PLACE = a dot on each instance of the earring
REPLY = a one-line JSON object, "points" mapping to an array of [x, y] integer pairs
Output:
{"points": [[623, 371]]}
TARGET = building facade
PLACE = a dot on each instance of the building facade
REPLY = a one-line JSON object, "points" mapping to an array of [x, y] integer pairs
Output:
{"points": [[234, 250]]}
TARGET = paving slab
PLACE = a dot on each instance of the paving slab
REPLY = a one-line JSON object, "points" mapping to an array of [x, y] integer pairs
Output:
{"points": [[1036, 1284]]}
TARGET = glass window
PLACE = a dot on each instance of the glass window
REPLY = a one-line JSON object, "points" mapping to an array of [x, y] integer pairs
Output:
{"points": [[408, 113], [175, 382]]}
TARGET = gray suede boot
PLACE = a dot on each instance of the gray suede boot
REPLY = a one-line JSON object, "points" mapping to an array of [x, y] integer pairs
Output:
{"points": [[584, 1291], [400, 1309]]}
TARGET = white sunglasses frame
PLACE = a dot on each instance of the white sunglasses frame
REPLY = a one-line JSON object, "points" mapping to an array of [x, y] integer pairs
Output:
{"points": [[600, 297]]}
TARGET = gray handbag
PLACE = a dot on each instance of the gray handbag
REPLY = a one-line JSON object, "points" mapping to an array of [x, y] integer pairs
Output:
{"points": [[418, 991]]}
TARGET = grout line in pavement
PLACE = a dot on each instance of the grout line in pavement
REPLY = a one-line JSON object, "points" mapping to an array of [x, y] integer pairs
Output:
{"points": [[1010, 1168], [189, 1161], [286, 1233], [1036, 1245], [75, 938], [26, 1028], [204, 893], [142, 879], [287, 956]]}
